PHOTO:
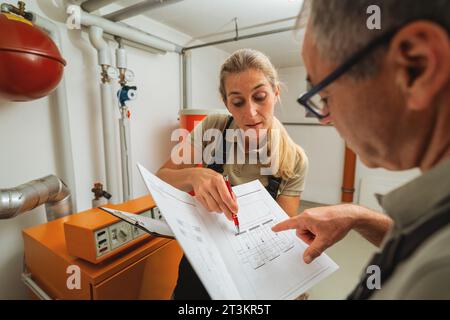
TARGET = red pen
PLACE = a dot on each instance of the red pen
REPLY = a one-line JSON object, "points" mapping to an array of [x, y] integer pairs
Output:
{"points": [[234, 216]]}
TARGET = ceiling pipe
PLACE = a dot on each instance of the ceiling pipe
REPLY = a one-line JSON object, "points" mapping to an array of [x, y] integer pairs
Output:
{"points": [[254, 26], [238, 38], [127, 32], [186, 78], [92, 5], [138, 8]]}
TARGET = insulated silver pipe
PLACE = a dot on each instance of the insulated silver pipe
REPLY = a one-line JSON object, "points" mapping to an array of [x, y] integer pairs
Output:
{"points": [[49, 190], [137, 9]]}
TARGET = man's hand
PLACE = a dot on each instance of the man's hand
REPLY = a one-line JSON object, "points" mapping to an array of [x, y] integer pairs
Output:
{"points": [[320, 228]]}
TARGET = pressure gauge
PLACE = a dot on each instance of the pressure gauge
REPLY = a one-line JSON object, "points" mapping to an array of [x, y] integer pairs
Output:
{"points": [[112, 72], [129, 75]]}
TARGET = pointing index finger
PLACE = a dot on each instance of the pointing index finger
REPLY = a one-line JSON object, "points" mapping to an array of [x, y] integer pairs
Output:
{"points": [[291, 223]]}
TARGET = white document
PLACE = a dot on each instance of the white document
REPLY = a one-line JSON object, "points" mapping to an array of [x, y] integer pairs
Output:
{"points": [[255, 264], [155, 227]]}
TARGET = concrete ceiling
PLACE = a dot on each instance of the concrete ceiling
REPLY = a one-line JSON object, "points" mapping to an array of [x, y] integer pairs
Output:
{"points": [[211, 20]]}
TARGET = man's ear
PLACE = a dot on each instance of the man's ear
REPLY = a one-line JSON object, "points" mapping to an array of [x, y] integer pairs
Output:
{"points": [[420, 53]]}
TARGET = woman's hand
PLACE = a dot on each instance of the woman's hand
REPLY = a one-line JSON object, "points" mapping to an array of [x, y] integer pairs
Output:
{"points": [[212, 192]]}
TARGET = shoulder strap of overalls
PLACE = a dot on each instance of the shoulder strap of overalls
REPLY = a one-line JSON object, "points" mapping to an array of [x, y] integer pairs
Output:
{"points": [[218, 167], [274, 182], [399, 249]]}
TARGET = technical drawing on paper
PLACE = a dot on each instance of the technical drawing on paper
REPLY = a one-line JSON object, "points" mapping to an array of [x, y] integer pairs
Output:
{"points": [[257, 244]]}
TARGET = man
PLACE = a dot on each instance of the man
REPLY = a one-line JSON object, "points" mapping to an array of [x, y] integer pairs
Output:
{"points": [[387, 92]]}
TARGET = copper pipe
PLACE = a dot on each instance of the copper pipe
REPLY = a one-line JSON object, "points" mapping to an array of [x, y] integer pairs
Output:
{"points": [[348, 183]]}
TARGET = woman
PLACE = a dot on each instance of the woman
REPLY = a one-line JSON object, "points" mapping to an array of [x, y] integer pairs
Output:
{"points": [[250, 88]]}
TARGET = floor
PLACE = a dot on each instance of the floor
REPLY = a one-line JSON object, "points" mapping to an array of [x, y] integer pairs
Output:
{"points": [[351, 254]]}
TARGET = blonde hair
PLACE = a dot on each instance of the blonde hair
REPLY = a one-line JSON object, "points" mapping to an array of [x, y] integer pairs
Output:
{"points": [[288, 151]]}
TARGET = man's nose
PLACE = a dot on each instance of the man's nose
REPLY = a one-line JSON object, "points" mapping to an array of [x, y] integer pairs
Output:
{"points": [[326, 121]]}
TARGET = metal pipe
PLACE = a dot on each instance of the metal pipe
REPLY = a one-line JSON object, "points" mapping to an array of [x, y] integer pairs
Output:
{"points": [[49, 190], [259, 25], [6, 7], [348, 180], [92, 5], [34, 287], [128, 33], [109, 129], [137, 9], [186, 78], [255, 35], [67, 163], [20, 11]]}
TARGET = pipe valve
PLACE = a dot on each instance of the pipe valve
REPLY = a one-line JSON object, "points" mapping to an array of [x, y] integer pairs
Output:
{"points": [[126, 93]]}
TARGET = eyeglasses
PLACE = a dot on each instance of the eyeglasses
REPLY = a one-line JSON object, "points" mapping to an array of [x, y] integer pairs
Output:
{"points": [[313, 102]]}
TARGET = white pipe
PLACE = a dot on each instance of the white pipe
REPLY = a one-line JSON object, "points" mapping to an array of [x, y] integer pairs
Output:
{"points": [[121, 58], [125, 152], [96, 38], [37, 290], [186, 60], [124, 126], [109, 139], [92, 5], [109, 134], [67, 163], [137, 9], [129, 33]]}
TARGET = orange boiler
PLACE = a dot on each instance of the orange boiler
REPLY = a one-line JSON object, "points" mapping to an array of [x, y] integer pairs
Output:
{"points": [[63, 259]]}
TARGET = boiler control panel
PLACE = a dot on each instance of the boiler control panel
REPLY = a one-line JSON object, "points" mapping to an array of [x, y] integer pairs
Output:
{"points": [[95, 235]]}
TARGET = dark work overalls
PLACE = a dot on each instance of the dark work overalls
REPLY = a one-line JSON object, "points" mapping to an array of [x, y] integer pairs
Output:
{"points": [[189, 286]]}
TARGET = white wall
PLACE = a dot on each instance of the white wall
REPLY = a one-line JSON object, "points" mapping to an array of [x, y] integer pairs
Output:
{"points": [[325, 150], [323, 146], [29, 138], [205, 78]]}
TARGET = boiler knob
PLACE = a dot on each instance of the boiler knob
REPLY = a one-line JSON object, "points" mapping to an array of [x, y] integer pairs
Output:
{"points": [[123, 234]]}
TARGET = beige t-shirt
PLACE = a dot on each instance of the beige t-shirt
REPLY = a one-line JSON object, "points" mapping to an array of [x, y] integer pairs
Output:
{"points": [[242, 173]]}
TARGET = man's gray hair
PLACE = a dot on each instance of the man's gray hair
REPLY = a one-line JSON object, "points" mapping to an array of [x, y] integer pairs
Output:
{"points": [[340, 26]]}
